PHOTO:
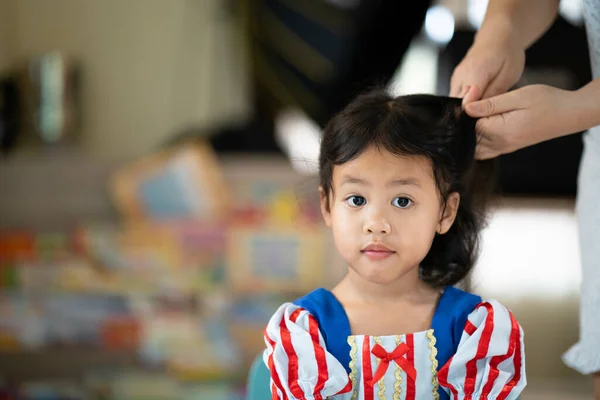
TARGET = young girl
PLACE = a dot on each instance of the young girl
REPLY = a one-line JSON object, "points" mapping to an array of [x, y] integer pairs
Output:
{"points": [[398, 191]]}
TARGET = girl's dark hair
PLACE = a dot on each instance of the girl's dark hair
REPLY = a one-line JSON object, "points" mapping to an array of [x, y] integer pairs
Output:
{"points": [[420, 125]]}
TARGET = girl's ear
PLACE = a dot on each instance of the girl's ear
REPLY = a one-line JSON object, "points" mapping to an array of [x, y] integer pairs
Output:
{"points": [[325, 210], [449, 213]]}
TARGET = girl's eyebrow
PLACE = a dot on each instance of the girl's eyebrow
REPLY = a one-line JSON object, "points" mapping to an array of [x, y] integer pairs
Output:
{"points": [[348, 180], [404, 182]]}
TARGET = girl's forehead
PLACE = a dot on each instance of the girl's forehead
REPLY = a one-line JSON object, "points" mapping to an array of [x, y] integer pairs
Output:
{"points": [[376, 164]]}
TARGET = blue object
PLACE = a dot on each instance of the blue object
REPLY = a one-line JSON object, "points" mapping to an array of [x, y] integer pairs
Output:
{"points": [[259, 379]]}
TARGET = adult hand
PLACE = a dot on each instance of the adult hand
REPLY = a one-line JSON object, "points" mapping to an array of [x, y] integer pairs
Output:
{"points": [[489, 68], [521, 118]]}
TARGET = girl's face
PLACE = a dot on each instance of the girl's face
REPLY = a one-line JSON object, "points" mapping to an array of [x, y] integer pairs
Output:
{"points": [[384, 211]]}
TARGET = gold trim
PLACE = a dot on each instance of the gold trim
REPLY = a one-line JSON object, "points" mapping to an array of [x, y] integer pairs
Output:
{"points": [[398, 376], [353, 351], [434, 363], [381, 383]]}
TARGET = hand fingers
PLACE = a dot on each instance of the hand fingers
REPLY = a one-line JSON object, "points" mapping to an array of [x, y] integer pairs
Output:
{"points": [[472, 94], [457, 90], [483, 152], [496, 87], [494, 105], [494, 90], [490, 137], [462, 80], [457, 86], [480, 77], [485, 148], [488, 129]]}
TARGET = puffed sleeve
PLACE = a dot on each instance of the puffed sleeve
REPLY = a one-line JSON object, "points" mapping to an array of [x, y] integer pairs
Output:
{"points": [[489, 362], [300, 365]]}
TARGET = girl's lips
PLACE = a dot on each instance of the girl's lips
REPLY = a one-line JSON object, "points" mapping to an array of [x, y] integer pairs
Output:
{"points": [[377, 254], [377, 251]]}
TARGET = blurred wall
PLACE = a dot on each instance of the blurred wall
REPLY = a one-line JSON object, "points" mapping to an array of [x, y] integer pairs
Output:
{"points": [[6, 33], [151, 67]]}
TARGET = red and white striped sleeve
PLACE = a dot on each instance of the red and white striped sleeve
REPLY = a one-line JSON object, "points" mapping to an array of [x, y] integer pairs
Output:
{"points": [[301, 367], [489, 362]]}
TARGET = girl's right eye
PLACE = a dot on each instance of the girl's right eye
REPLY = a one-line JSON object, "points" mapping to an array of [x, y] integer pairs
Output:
{"points": [[356, 201]]}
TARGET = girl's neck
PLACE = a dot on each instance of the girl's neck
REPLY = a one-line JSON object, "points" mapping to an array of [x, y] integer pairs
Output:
{"points": [[409, 288]]}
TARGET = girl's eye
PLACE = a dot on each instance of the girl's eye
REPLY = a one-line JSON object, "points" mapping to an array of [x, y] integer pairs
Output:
{"points": [[402, 202], [356, 201]]}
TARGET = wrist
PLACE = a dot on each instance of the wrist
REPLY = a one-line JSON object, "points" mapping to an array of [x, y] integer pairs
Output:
{"points": [[583, 107], [499, 29]]}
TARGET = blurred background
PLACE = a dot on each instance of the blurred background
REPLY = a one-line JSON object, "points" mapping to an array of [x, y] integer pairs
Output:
{"points": [[158, 197]]}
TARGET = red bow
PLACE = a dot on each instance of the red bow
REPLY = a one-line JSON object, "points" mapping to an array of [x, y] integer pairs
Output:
{"points": [[397, 356]]}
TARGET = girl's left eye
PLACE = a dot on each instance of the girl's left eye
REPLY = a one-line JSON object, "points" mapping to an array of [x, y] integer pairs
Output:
{"points": [[402, 202]]}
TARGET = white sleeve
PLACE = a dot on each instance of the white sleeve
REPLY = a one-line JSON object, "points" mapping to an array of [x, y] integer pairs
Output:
{"points": [[301, 367], [489, 362]]}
